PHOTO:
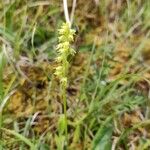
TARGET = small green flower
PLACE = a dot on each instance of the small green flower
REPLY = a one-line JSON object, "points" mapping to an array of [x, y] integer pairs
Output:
{"points": [[58, 71], [64, 81]]}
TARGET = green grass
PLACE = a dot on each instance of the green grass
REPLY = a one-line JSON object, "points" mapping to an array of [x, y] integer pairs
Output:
{"points": [[95, 113]]}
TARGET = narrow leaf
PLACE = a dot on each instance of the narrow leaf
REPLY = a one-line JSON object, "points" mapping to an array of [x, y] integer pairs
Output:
{"points": [[102, 139]]}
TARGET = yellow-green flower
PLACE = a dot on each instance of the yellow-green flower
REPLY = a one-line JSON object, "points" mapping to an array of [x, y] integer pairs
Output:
{"points": [[64, 50]]}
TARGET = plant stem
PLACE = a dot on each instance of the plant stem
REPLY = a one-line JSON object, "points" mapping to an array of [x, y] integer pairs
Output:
{"points": [[65, 111]]}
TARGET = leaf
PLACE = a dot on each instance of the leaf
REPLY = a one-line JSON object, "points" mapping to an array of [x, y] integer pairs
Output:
{"points": [[44, 147], [102, 139], [77, 133], [61, 124], [60, 142], [2, 63], [7, 34]]}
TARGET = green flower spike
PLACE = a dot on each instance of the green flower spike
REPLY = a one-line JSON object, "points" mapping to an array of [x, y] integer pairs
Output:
{"points": [[64, 50]]}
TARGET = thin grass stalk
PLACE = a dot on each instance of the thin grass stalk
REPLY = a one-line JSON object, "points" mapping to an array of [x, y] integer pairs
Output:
{"points": [[65, 5]]}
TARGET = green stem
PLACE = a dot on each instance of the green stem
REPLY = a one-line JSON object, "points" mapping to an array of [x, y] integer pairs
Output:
{"points": [[1, 120], [65, 111]]}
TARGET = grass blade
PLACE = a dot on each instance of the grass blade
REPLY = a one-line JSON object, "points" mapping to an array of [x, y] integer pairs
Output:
{"points": [[20, 137], [102, 140]]}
